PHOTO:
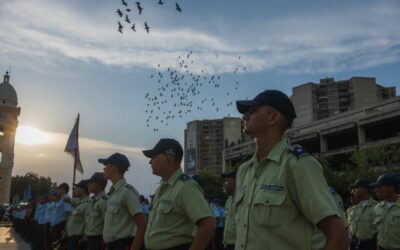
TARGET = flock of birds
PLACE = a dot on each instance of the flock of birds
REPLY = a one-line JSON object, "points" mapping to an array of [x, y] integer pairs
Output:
{"points": [[180, 92], [125, 14]]}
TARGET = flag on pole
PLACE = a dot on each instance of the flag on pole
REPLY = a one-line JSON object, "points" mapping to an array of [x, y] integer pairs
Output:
{"points": [[28, 192], [72, 146]]}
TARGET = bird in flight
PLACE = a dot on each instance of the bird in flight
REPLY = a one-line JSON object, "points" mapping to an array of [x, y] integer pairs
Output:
{"points": [[178, 8], [124, 3], [120, 27], [160, 2], [133, 27], [127, 19], [140, 8], [119, 12], [146, 27]]}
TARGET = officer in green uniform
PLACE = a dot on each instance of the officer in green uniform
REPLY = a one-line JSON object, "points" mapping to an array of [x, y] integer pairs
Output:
{"points": [[229, 237], [96, 211], [281, 193], [178, 203], [124, 222], [350, 219], [363, 216], [387, 212], [76, 221]]}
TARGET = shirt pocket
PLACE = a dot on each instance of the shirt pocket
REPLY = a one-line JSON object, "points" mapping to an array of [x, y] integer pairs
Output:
{"points": [[394, 222], [112, 213], [165, 210], [268, 208], [76, 215]]}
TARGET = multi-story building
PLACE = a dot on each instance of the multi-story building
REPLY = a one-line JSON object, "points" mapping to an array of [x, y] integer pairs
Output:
{"points": [[206, 140], [318, 101], [336, 118]]}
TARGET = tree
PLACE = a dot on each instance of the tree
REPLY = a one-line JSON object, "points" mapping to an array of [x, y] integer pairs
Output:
{"points": [[39, 184], [213, 185]]}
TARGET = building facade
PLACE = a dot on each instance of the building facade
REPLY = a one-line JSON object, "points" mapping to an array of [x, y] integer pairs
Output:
{"points": [[328, 98], [367, 116], [9, 112], [206, 140]]}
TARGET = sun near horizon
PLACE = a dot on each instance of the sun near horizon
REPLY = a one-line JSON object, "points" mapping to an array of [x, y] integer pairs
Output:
{"points": [[31, 136]]}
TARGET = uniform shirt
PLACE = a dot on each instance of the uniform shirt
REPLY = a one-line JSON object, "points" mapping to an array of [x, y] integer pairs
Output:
{"points": [[388, 222], [61, 210], [280, 199], [76, 221], [230, 228], [50, 206], [363, 217], [178, 204], [42, 213], [123, 203], [350, 220], [96, 213], [38, 210], [318, 239]]}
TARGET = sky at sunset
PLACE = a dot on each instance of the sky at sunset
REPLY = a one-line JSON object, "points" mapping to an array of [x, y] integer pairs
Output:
{"points": [[67, 56]]}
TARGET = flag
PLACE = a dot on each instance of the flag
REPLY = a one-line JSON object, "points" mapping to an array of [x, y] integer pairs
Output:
{"points": [[72, 146], [28, 193]]}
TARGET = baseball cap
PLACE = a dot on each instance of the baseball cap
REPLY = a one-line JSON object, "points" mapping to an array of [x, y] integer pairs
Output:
{"points": [[231, 174], [82, 184], [165, 146], [387, 179], [117, 159], [99, 178], [361, 183], [274, 98]]}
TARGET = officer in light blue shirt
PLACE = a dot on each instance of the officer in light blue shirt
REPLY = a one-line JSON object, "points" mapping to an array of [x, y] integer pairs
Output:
{"points": [[61, 211]]}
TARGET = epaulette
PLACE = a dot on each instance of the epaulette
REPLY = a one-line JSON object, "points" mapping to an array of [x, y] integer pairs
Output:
{"points": [[298, 151], [185, 177], [104, 197], [130, 187]]}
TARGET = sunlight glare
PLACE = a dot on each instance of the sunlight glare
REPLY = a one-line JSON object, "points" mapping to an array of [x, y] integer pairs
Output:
{"points": [[31, 135]]}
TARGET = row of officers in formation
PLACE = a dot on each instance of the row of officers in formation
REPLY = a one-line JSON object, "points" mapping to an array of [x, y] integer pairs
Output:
{"points": [[278, 200]]}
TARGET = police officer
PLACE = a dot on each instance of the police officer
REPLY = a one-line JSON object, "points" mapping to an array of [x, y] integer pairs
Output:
{"points": [[76, 221], [124, 215], [281, 193], [350, 219], [229, 237], [387, 212], [178, 203], [363, 216], [97, 210]]}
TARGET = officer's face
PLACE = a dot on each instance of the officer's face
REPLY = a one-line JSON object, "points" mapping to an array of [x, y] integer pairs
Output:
{"points": [[109, 171], [360, 193], [382, 192], [229, 185], [157, 163], [257, 119]]}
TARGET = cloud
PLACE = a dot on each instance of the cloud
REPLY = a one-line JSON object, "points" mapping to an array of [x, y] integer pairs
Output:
{"points": [[311, 41], [49, 159]]}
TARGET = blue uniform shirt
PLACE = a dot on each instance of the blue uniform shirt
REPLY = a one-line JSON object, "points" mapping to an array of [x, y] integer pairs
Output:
{"points": [[60, 212]]}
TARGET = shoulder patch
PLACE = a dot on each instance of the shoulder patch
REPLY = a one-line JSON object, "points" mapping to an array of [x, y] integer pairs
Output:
{"points": [[298, 151], [185, 177]]}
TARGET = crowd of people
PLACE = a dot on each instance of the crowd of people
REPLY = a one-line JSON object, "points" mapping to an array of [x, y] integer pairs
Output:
{"points": [[277, 200]]}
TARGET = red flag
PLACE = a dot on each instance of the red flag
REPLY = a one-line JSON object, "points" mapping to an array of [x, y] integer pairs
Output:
{"points": [[72, 146]]}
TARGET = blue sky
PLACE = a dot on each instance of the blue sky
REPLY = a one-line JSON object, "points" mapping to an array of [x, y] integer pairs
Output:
{"points": [[67, 57]]}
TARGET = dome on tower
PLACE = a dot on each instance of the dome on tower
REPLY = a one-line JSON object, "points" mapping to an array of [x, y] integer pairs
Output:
{"points": [[8, 95]]}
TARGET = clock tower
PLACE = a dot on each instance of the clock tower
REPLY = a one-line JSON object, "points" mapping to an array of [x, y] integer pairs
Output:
{"points": [[9, 112]]}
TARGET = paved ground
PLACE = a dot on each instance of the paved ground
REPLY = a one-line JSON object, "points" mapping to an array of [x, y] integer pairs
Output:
{"points": [[10, 240]]}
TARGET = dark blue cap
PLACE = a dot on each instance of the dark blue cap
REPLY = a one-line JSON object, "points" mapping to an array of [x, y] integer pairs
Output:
{"points": [[82, 184], [387, 179], [165, 146], [361, 183], [274, 98], [117, 159], [231, 174], [99, 178]]}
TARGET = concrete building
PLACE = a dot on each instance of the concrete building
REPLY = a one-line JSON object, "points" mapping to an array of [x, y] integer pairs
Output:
{"points": [[9, 112], [318, 101], [206, 140], [336, 118]]}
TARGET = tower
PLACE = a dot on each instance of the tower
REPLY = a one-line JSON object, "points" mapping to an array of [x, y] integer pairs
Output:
{"points": [[9, 112]]}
